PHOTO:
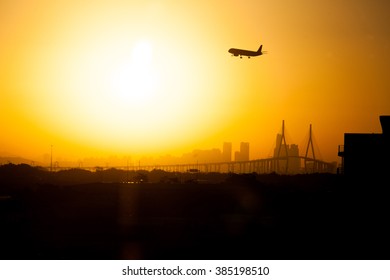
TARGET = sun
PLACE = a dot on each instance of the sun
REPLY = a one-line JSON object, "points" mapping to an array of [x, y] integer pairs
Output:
{"points": [[142, 53], [121, 94], [134, 79]]}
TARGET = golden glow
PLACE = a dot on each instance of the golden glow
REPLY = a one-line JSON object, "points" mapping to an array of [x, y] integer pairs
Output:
{"points": [[134, 81], [126, 78]]}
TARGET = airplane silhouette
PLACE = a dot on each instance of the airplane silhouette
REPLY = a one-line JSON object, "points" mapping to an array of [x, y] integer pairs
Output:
{"points": [[239, 52]]}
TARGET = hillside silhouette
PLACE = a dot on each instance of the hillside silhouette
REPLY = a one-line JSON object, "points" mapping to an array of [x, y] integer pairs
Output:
{"points": [[115, 214]]}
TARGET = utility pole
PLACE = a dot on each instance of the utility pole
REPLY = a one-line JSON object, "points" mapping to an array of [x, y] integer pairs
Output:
{"points": [[127, 171], [51, 158]]}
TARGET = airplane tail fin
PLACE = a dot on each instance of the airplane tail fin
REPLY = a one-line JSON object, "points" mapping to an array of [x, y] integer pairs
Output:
{"points": [[259, 50]]}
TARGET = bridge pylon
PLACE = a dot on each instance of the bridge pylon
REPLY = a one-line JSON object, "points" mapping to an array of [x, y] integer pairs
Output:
{"points": [[281, 143], [307, 158]]}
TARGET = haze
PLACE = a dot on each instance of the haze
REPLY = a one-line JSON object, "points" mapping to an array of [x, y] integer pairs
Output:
{"points": [[132, 78]]}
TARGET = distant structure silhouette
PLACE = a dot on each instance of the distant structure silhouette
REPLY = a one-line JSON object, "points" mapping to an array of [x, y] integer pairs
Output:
{"points": [[309, 144], [51, 158], [279, 153], [285, 160], [227, 152], [366, 154], [288, 161], [243, 153]]}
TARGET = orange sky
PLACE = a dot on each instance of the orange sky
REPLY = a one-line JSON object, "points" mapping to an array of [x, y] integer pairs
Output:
{"points": [[133, 78]]}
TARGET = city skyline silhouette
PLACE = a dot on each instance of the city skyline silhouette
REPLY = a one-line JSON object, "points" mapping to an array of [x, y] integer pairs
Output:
{"points": [[204, 157], [130, 132], [149, 79]]}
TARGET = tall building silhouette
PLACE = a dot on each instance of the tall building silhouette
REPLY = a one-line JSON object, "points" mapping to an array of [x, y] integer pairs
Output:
{"points": [[243, 154], [227, 152], [293, 164]]}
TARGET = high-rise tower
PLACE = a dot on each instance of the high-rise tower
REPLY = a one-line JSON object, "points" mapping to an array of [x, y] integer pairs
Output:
{"points": [[227, 152]]}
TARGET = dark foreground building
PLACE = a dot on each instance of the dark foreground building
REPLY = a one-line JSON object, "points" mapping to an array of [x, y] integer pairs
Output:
{"points": [[367, 154]]}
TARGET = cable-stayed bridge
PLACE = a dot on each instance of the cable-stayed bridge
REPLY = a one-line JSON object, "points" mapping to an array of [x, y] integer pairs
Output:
{"points": [[284, 161], [260, 166]]}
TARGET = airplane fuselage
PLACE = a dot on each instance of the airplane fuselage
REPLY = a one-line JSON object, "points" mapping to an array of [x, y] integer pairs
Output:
{"points": [[241, 53], [237, 52]]}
